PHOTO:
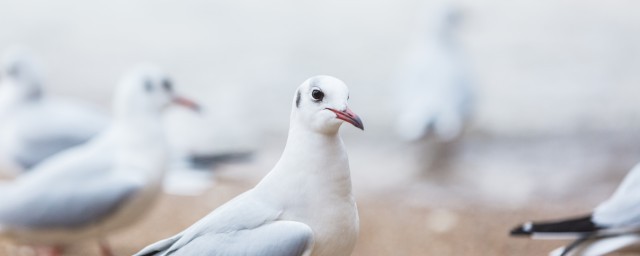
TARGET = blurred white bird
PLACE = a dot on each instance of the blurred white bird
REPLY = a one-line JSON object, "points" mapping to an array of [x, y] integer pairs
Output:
{"points": [[304, 206], [433, 89], [33, 125], [105, 184], [613, 225]]}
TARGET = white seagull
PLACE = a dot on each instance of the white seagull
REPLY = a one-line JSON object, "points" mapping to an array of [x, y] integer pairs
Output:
{"points": [[108, 183], [304, 206], [434, 93], [612, 226], [34, 125]]}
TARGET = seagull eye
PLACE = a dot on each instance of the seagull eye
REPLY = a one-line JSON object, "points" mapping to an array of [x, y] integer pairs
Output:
{"points": [[317, 95], [167, 85], [13, 71], [148, 85]]}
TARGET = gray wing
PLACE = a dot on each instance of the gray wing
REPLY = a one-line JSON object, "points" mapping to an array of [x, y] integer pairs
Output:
{"points": [[52, 127], [35, 150], [64, 204], [159, 247], [279, 238]]}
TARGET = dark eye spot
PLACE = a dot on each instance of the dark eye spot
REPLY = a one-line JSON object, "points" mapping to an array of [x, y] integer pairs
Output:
{"points": [[148, 85], [167, 85], [13, 71], [317, 95]]}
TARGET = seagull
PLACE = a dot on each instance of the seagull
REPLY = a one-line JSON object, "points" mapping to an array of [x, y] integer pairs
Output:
{"points": [[304, 206], [34, 125], [613, 225], [108, 183], [434, 93]]}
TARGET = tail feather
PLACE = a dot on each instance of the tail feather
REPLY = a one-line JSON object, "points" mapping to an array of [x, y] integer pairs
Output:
{"points": [[567, 249], [209, 161], [580, 226], [590, 246], [160, 247]]}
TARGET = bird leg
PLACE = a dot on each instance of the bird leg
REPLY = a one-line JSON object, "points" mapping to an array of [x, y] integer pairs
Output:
{"points": [[105, 249]]}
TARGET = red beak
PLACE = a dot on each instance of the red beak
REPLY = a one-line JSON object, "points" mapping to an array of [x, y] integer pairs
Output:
{"points": [[348, 116], [182, 101]]}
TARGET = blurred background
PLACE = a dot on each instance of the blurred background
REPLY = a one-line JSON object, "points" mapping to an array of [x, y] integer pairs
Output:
{"points": [[554, 121]]}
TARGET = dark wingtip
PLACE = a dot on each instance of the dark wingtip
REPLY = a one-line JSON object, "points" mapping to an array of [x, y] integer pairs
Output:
{"points": [[582, 224], [522, 230]]}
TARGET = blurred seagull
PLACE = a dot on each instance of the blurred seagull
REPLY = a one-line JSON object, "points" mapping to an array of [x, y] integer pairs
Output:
{"points": [[613, 225], [434, 93], [304, 206], [193, 174], [108, 183], [33, 125]]}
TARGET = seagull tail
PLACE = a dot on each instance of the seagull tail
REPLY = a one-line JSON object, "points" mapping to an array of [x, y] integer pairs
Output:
{"points": [[563, 229], [209, 161], [603, 245], [159, 248]]}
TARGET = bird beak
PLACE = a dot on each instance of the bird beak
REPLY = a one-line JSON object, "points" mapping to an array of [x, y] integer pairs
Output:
{"points": [[348, 116], [182, 101]]}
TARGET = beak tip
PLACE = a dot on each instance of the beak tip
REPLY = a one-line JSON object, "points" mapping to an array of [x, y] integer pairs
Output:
{"points": [[349, 117], [355, 121], [358, 122], [189, 104]]}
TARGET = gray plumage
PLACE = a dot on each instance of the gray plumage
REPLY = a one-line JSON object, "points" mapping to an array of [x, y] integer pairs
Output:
{"points": [[613, 225], [304, 206], [103, 185], [433, 89], [33, 125], [258, 231], [68, 194]]}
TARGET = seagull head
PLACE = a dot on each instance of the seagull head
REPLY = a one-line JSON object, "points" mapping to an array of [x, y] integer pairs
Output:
{"points": [[20, 75], [149, 89], [320, 104]]}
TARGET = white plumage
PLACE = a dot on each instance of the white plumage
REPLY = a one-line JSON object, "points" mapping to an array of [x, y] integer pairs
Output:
{"points": [[304, 206], [613, 225], [108, 183], [433, 88], [34, 125]]}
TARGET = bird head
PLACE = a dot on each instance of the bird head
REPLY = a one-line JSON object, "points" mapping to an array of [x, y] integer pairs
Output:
{"points": [[149, 89], [20, 75], [320, 103]]}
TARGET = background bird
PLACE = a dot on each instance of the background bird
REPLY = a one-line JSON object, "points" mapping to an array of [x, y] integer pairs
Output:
{"points": [[33, 124], [613, 225], [304, 206], [434, 93], [433, 90], [106, 184]]}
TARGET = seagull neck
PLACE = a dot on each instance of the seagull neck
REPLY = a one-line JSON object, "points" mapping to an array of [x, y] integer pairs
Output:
{"points": [[301, 139], [10, 100], [140, 133], [141, 144], [313, 159]]}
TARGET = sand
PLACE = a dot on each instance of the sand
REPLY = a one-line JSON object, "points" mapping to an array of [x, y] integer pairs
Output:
{"points": [[487, 186]]}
